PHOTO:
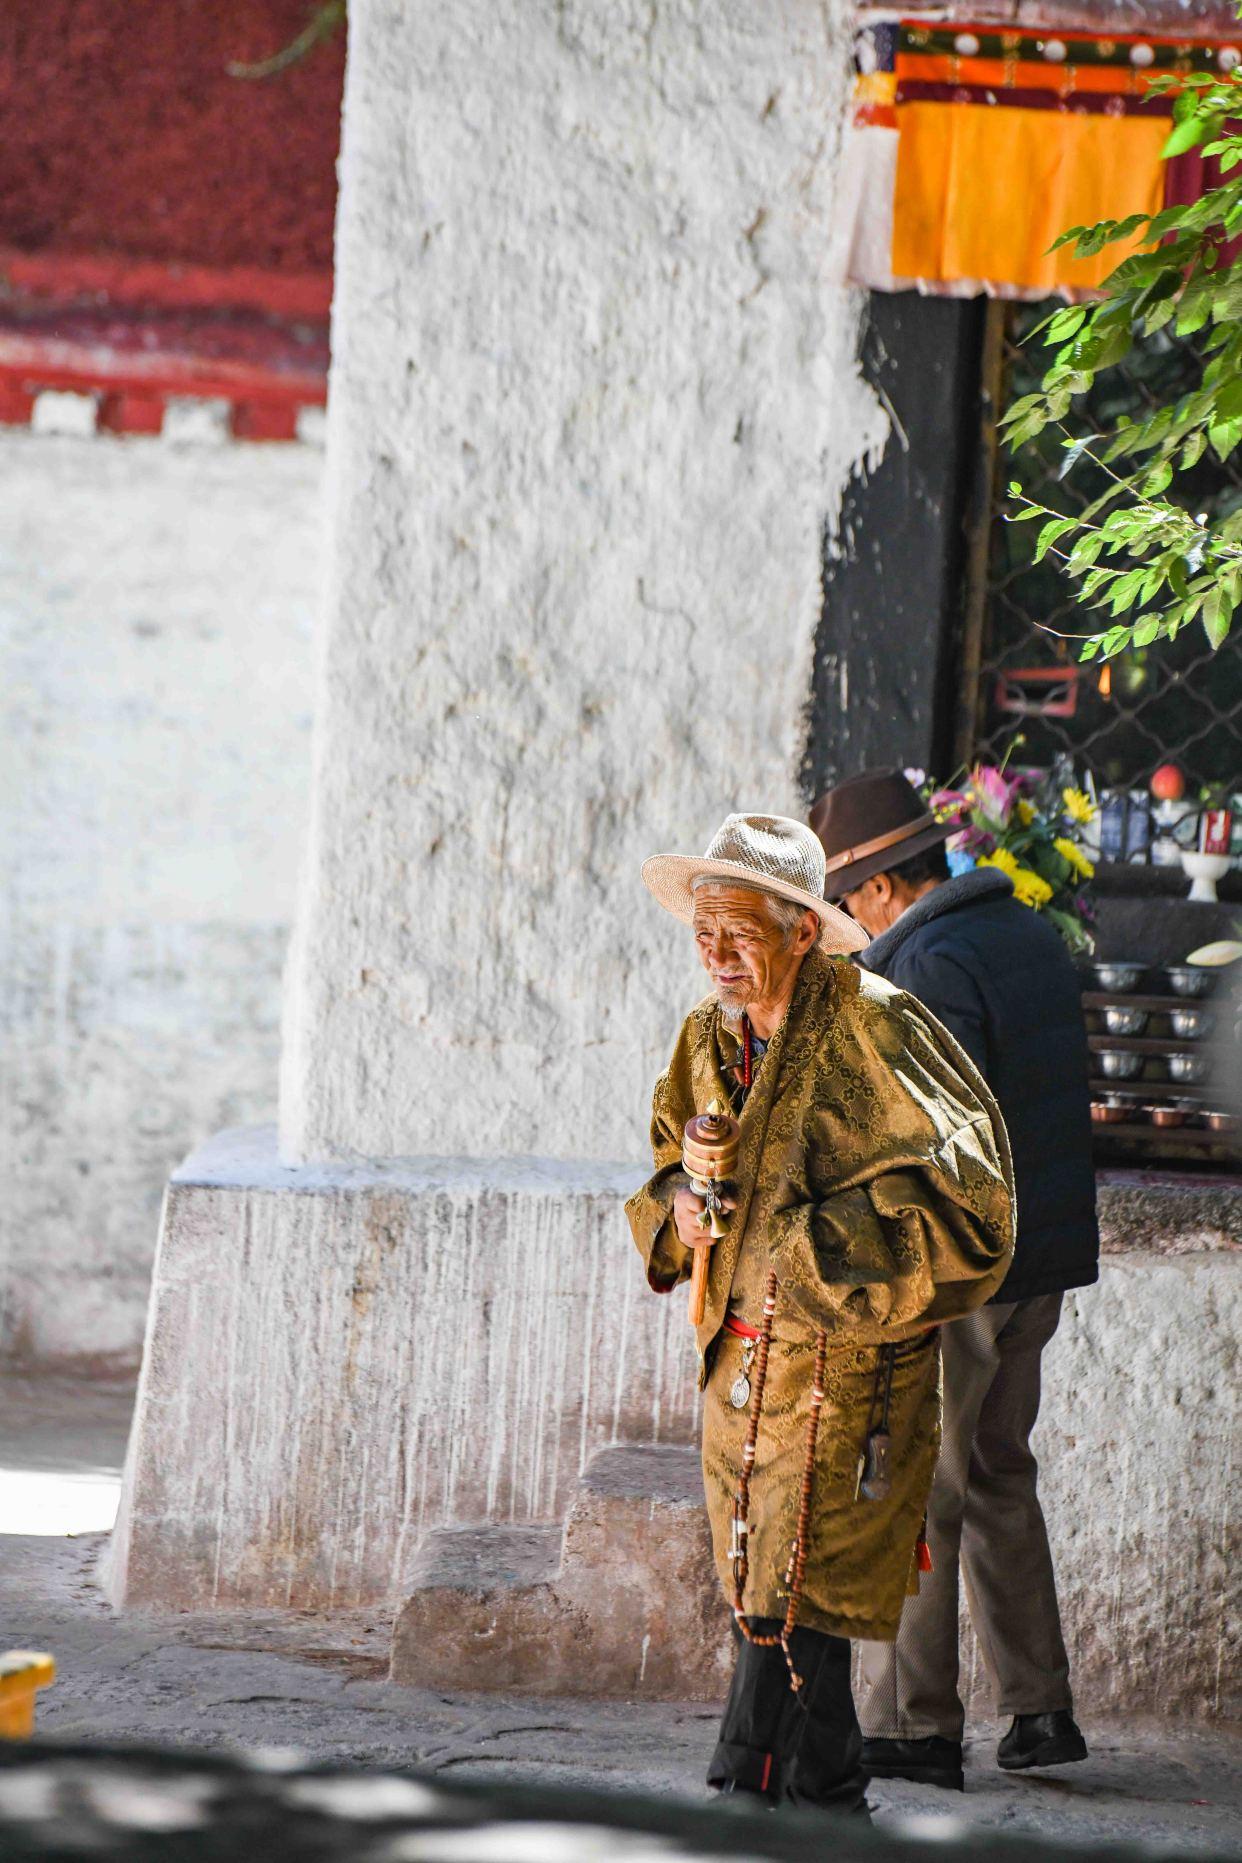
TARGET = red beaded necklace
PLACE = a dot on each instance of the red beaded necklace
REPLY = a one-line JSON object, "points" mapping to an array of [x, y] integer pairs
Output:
{"points": [[747, 1063]]}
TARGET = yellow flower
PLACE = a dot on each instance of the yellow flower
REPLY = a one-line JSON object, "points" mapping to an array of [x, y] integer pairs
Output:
{"points": [[1003, 859], [1026, 811], [1079, 864], [1030, 890], [1078, 806]]}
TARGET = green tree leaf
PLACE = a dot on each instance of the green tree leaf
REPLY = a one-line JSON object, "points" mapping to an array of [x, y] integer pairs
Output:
{"points": [[1049, 534], [1185, 135], [1217, 616], [1223, 436], [1134, 545]]}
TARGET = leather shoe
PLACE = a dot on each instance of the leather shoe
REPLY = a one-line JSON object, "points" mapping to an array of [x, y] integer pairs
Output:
{"points": [[933, 1761], [1041, 1740]]}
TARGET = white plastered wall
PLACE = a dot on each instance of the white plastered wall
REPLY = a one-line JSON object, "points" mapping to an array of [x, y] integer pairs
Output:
{"points": [[155, 619], [594, 397]]}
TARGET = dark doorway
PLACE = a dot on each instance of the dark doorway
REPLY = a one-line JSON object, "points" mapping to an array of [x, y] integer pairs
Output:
{"points": [[894, 568]]}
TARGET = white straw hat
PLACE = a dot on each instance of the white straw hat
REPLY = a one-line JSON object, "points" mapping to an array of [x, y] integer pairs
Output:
{"points": [[769, 852]]}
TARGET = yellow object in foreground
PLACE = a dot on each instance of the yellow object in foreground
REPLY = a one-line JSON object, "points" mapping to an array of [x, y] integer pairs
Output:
{"points": [[22, 1673]]}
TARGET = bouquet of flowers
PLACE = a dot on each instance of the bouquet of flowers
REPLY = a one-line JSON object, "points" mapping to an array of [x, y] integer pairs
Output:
{"points": [[1027, 826]]}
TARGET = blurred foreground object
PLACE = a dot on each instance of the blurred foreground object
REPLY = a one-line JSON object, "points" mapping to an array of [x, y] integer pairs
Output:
{"points": [[162, 1805], [22, 1674]]}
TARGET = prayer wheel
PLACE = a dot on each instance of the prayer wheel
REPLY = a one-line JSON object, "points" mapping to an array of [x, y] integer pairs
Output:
{"points": [[709, 1149]]}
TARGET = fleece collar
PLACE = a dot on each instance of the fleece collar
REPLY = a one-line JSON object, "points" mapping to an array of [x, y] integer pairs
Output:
{"points": [[968, 889]]}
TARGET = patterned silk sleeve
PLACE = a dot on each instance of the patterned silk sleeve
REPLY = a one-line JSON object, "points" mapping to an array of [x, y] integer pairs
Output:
{"points": [[916, 1225], [650, 1210], [888, 1253]]}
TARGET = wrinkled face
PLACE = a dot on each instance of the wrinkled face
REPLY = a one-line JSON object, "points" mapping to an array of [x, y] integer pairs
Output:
{"points": [[747, 955]]}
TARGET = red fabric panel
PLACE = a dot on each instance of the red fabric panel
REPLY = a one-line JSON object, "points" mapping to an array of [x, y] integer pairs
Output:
{"points": [[1080, 103], [125, 134], [1188, 176]]}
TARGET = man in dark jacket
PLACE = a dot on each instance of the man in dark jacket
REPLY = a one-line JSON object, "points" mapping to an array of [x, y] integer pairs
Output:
{"points": [[1002, 982]]}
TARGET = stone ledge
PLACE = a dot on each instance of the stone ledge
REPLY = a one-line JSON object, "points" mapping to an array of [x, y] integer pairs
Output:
{"points": [[1167, 1213], [478, 1560], [624, 1603], [341, 1359], [248, 1158], [1158, 1212]]}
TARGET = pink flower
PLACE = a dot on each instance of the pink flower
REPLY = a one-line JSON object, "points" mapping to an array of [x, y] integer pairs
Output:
{"points": [[949, 805], [971, 840], [994, 793]]}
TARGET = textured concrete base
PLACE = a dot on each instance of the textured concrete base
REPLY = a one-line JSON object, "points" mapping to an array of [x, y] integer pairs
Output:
{"points": [[1136, 1449], [338, 1361], [342, 1363], [624, 1603], [1137, 1445]]}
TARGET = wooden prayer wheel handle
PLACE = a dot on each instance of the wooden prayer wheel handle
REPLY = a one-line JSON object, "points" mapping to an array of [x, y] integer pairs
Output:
{"points": [[709, 1150], [698, 1285]]}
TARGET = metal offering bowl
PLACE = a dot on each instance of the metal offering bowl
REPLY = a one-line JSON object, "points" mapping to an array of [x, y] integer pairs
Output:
{"points": [[1188, 1067], [1221, 1122], [1191, 1023], [1189, 979], [1110, 1111], [1118, 976], [1119, 1066], [1168, 1115], [1125, 1021]]}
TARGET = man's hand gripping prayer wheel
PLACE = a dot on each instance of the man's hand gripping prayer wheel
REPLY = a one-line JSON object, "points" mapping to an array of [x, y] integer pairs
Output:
{"points": [[847, 1189], [709, 1155]]}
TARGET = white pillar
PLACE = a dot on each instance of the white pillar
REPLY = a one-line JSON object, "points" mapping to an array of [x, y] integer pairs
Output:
{"points": [[593, 398]]}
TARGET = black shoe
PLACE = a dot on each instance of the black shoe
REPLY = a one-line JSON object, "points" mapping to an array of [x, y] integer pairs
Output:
{"points": [[934, 1761], [1041, 1740]]}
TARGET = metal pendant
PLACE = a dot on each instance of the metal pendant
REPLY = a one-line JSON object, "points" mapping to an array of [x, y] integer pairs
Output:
{"points": [[876, 1483], [739, 1391]]}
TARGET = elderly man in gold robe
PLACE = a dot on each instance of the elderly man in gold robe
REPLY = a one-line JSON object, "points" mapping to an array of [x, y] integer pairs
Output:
{"points": [[871, 1201]]}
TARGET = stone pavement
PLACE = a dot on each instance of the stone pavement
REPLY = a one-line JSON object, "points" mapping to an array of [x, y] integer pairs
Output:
{"points": [[300, 1680]]}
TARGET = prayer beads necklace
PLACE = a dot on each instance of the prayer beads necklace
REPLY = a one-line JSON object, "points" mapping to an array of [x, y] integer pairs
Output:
{"points": [[795, 1576]]}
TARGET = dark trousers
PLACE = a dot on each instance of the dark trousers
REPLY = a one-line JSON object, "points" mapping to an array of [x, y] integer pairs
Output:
{"points": [[984, 1516], [803, 1748]]}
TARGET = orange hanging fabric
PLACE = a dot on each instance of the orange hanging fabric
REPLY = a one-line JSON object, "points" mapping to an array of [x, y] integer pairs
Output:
{"points": [[974, 147], [982, 192]]}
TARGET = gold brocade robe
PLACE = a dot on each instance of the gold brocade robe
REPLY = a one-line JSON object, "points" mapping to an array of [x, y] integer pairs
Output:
{"points": [[875, 1177]]}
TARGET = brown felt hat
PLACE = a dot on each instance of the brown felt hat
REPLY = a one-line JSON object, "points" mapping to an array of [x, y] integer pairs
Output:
{"points": [[870, 824]]}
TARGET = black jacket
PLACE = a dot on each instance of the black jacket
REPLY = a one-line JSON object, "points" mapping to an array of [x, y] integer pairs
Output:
{"points": [[1001, 980]]}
